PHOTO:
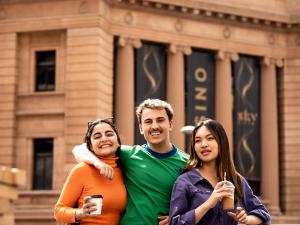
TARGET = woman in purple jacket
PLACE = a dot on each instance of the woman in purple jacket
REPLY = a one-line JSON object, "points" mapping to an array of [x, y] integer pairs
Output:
{"points": [[197, 194]]}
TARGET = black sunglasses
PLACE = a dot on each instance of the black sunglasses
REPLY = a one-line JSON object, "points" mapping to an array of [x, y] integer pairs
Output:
{"points": [[108, 119]]}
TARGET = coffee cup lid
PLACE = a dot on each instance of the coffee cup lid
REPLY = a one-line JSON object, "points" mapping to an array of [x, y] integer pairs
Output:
{"points": [[96, 196], [228, 183]]}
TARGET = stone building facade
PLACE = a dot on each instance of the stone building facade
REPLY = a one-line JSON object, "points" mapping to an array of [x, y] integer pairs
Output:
{"points": [[66, 62], [10, 180]]}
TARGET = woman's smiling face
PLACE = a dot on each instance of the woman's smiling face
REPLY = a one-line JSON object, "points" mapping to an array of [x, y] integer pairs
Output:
{"points": [[104, 140]]}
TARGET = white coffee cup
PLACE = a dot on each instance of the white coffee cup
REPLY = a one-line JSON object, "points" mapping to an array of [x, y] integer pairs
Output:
{"points": [[97, 199]]}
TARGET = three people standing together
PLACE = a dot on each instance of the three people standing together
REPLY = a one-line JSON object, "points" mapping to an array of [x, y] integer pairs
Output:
{"points": [[150, 171]]}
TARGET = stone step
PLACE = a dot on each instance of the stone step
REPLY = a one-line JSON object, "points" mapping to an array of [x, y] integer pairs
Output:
{"points": [[34, 213], [284, 219], [37, 197]]}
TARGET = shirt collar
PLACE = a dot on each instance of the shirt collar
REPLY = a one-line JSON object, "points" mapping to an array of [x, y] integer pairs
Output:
{"points": [[161, 155], [195, 176]]}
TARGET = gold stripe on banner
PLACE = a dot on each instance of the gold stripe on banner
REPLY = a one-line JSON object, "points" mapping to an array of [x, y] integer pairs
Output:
{"points": [[246, 116], [150, 76]]}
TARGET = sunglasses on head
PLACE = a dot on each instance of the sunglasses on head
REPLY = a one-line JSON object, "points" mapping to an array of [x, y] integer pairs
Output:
{"points": [[108, 119]]}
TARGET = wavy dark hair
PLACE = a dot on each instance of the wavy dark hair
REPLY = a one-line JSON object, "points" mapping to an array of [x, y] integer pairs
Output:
{"points": [[91, 126], [224, 160]]}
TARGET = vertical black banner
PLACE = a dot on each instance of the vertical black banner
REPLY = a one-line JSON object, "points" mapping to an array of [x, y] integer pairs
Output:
{"points": [[200, 86], [247, 151], [150, 76]]}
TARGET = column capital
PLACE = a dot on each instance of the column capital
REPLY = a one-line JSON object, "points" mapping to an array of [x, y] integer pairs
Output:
{"points": [[267, 61], [223, 55], [173, 48], [135, 42]]}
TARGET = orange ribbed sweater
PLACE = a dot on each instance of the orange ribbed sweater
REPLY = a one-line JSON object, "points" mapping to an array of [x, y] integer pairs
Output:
{"points": [[85, 180]]}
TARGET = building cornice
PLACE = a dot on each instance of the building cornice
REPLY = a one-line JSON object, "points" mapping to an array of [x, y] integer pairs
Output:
{"points": [[201, 9]]}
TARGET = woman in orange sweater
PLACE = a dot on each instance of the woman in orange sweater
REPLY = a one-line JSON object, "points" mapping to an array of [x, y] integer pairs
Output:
{"points": [[103, 140]]}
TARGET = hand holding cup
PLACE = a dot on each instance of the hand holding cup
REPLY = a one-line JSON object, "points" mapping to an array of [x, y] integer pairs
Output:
{"points": [[97, 201], [91, 207], [217, 195]]}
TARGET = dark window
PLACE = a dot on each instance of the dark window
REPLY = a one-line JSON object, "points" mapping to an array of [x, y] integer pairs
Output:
{"points": [[43, 163], [45, 70]]}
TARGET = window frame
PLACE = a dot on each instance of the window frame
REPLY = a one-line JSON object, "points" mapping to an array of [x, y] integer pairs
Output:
{"points": [[33, 69], [36, 84], [43, 156]]}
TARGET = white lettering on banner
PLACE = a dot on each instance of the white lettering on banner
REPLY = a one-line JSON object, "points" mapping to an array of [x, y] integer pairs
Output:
{"points": [[200, 93]]}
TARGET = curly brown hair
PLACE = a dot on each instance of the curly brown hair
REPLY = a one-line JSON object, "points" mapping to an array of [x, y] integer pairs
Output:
{"points": [[154, 104]]}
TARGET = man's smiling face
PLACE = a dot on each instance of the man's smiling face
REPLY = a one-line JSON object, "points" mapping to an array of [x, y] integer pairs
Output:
{"points": [[156, 127]]}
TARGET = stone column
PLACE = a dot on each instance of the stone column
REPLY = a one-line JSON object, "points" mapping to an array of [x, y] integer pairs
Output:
{"points": [[8, 85], [124, 86], [86, 96], [176, 91], [224, 96], [269, 135]]}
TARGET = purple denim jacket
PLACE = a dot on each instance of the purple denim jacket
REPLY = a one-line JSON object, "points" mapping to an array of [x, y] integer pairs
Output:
{"points": [[191, 190]]}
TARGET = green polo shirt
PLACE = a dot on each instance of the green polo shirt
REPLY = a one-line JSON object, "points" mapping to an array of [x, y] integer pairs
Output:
{"points": [[149, 178]]}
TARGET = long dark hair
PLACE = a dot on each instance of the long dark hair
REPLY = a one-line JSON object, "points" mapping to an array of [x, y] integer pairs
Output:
{"points": [[91, 126], [224, 160]]}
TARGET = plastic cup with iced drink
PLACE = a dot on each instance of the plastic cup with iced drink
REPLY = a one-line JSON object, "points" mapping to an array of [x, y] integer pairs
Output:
{"points": [[228, 202], [97, 199]]}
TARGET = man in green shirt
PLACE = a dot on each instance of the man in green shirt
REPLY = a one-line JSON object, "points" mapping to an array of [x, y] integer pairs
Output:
{"points": [[150, 170]]}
